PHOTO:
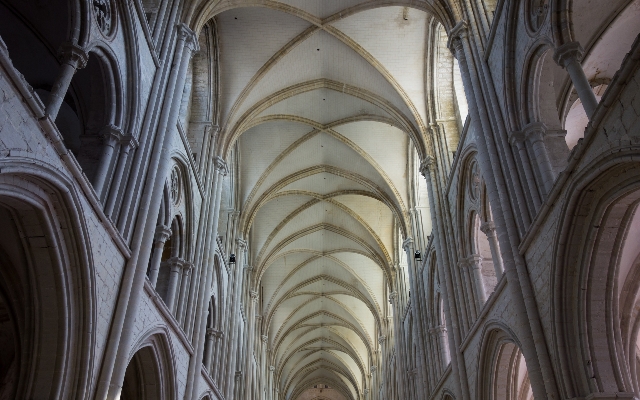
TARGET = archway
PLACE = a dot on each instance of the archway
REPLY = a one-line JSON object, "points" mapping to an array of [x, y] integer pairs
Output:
{"points": [[503, 372], [149, 375], [142, 379], [46, 295], [598, 283]]}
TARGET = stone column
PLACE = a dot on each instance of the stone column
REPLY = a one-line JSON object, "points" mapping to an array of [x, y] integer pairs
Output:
{"points": [[127, 143], [187, 267], [517, 140], [272, 389], [568, 56], [489, 229], [263, 384], [200, 293], [121, 336], [374, 381], [163, 233], [208, 352], [175, 265], [446, 273], [534, 134], [440, 333], [468, 292], [250, 335], [382, 339], [475, 264], [399, 345], [216, 354], [409, 248], [111, 136], [237, 386], [230, 356], [73, 58]]}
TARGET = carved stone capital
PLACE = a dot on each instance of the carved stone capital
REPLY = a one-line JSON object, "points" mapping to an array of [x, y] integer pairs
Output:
{"points": [[163, 233], [129, 142], [373, 368], [220, 166], [427, 165], [382, 339], [187, 266], [111, 135], [393, 296], [190, 38], [254, 296], [456, 34], [535, 131], [73, 55], [211, 333], [567, 53], [438, 330], [175, 263], [242, 244], [407, 245], [475, 261], [488, 228], [272, 368], [213, 130], [265, 339], [516, 138]]}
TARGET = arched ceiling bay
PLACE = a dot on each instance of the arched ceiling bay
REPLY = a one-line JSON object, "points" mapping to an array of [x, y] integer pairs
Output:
{"points": [[326, 102]]}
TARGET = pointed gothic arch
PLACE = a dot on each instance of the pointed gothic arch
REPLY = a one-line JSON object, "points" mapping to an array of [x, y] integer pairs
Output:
{"points": [[150, 374]]}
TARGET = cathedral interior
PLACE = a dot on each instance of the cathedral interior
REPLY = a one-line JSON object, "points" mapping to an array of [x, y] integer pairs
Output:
{"points": [[320, 199]]}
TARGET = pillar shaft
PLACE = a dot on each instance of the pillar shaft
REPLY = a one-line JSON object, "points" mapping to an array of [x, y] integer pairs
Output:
{"points": [[475, 265], [517, 140], [187, 267], [127, 144], [457, 361], [162, 235], [568, 56], [209, 349], [205, 257], [175, 265], [489, 229], [534, 134], [111, 136], [73, 58], [231, 355]]}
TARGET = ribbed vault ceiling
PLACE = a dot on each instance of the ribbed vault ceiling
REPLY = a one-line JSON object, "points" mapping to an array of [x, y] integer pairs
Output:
{"points": [[326, 100]]}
